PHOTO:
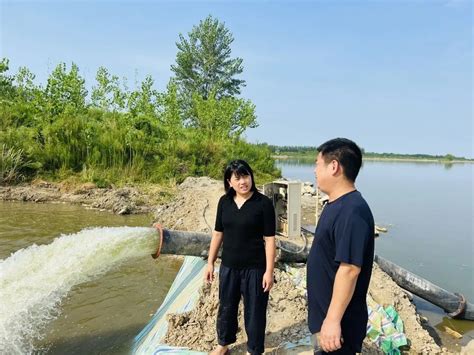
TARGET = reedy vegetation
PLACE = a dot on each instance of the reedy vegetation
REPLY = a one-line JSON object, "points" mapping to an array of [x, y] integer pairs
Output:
{"points": [[118, 135]]}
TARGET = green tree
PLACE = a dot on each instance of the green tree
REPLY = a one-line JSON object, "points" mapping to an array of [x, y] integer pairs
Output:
{"points": [[27, 90], [107, 94], [228, 117], [171, 115], [66, 90], [204, 63], [7, 90], [30, 101], [145, 100], [449, 157]]}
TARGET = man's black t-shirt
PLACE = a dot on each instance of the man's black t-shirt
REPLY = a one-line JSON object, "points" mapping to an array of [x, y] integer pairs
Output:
{"points": [[244, 229], [345, 233]]}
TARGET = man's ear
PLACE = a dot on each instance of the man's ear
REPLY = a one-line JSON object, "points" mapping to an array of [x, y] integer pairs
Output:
{"points": [[336, 167]]}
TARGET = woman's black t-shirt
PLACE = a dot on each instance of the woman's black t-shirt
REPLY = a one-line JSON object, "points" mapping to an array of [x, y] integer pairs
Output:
{"points": [[244, 229]]}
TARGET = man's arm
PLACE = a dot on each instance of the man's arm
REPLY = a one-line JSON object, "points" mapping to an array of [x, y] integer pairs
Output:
{"points": [[216, 242], [270, 252], [344, 286]]}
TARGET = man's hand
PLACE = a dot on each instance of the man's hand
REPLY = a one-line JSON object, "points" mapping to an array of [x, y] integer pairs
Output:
{"points": [[330, 335], [209, 273], [267, 282]]}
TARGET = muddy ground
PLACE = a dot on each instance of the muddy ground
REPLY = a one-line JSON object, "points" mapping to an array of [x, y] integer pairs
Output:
{"points": [[124, 200]]}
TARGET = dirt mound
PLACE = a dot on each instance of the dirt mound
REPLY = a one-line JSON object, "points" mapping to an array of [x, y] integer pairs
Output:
{"points": [[197, 329], [194, 208]]}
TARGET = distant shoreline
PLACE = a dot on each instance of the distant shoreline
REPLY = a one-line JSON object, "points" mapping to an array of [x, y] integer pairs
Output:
{"points": [[415, 160]]}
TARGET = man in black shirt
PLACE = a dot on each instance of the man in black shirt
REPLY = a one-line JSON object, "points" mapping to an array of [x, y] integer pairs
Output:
{"points": [[340, 261]]}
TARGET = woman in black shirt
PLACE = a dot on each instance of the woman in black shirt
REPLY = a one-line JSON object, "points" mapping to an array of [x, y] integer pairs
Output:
{"points": [[245, 226]]}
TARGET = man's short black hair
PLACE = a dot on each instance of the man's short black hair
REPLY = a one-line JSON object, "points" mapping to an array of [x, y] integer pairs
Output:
{"points": [[346, 152]]}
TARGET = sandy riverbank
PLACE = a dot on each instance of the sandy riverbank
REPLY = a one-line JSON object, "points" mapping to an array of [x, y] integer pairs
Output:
{"points": [[124, 200]]}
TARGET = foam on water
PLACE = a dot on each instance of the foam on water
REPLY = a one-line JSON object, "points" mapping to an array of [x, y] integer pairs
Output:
{"points": [[34, 280]]}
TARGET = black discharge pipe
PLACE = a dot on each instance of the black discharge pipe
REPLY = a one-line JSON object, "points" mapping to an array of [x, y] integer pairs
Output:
{"points": [[197, 244]]}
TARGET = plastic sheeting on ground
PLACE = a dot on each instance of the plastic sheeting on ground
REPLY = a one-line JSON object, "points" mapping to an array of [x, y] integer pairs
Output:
{"points": [[181, 297], [385, 328]]}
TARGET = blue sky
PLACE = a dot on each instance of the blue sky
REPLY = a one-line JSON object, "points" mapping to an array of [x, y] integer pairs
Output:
{"points": [[395, 76]]}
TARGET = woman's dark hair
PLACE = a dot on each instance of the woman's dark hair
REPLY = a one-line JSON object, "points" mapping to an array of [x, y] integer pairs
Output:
{"points": [[346, 152], [239, 168]]}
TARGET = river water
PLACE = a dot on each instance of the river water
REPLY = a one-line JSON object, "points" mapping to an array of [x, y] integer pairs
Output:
{"points": [[76, 281], [428, 210]]}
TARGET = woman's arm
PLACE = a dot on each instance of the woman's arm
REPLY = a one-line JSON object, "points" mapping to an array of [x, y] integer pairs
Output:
{"points": [[216, 242], [270, 251]]}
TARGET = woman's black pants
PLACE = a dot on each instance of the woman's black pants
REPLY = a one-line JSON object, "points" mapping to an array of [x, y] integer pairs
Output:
{"points": [[234, 283]]}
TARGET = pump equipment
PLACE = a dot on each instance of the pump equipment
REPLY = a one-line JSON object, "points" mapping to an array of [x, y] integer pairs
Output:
{"points": [[286, 197]]}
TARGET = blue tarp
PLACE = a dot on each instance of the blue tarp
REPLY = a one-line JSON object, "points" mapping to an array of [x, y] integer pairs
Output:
{"points": [[181, 297]]}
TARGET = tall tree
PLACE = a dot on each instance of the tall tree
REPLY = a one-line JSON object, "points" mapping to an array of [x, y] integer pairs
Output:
{"points": [[107, 94], [226, 118], [7, 90], [66, 90], [204, 63], [26, 87], [145, 100], [171, 115]]}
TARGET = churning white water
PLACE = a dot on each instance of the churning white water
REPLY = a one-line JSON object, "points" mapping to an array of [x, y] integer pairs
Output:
{"points": [[34, 280]]}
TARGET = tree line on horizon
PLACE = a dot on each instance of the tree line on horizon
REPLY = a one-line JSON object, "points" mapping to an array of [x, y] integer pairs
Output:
{"points": [[310, 150], [117, 134]]}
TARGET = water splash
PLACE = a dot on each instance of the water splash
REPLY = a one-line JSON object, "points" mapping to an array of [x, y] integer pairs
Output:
{"points": [[34, 280]]}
